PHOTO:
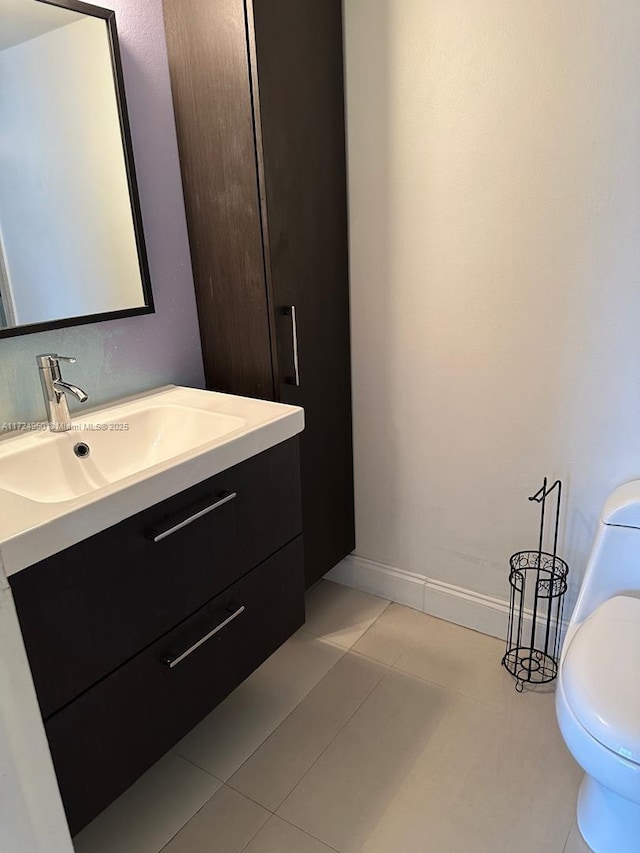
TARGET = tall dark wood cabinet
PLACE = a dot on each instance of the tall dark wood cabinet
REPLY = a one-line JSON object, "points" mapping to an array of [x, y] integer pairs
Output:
{"points": [[258, 96]]}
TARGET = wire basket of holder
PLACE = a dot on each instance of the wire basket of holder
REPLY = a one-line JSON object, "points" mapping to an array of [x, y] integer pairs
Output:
{"points": [[538, 582]]}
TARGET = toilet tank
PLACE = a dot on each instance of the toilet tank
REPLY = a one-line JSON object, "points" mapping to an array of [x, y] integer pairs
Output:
{"points": [[622, 507], [613, 567]]}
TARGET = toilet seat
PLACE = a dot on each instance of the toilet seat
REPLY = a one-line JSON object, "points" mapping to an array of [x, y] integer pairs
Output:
{"points": [[600, 675]]}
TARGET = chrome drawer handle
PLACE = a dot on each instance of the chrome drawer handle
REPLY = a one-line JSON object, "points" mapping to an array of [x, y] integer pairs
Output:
{"points": [[175, 660], [294, 324], [157, 535], [290, 310]]}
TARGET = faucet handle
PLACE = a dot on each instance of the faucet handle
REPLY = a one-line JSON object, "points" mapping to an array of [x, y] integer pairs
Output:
{"points": [[52, 359]]}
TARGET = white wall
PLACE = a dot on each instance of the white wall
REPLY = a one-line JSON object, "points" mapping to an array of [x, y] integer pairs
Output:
{"points": [[494, 159], [64, 198]]}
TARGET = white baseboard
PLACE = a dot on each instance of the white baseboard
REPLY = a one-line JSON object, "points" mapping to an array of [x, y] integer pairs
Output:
{"points": [[379, 579], [465, 607]]}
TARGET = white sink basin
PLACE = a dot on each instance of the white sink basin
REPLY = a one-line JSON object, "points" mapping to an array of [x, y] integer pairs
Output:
{"points": [[44, 467], [141, 450]]}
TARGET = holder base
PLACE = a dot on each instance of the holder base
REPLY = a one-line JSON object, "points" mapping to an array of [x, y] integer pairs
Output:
{"points": [[529, 666]]}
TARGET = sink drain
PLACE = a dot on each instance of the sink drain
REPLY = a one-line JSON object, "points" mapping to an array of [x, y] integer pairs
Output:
{"points": [[81, 449]]}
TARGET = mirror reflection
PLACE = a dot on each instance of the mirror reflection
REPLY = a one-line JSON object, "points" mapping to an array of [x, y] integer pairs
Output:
{"points": [[71, 243]]}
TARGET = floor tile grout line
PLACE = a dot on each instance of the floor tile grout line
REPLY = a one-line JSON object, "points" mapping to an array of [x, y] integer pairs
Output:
{"points": [[384, 610], [573, 824], [318, 757], [247, 797], [371, 657], [341, 729], [387, 601], [395, 665], [195, 764], [397, 668], [376, 660], [225, 783], [306, 832], [197, 812], [303, 831], [208, 800], [327, 639], [284, 719], [388, 668], [260, 828], [437, 684]]}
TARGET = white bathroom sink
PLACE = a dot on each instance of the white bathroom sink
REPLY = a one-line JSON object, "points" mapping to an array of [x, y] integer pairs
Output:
{"points": [[140, 451], [45, 468]]}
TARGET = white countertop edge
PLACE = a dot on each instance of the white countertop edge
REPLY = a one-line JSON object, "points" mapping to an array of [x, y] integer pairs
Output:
{"points": [[37, 543]]}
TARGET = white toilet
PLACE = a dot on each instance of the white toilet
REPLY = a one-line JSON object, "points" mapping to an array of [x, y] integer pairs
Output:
{"points": [[598, 691]]}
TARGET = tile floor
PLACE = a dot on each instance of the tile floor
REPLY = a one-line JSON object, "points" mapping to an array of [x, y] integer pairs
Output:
{"points": [[374, 729]]}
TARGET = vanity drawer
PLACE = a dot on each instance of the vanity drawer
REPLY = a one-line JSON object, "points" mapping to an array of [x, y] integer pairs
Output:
{"points": [[88, 609], [114, 732]]}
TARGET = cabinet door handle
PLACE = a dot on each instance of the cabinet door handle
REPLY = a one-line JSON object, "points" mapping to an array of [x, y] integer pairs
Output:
{"points": [[174, 660], [174, 524], [290, 310]]}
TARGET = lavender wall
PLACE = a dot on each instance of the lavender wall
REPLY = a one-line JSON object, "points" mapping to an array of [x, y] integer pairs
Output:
{"points": [[121, 357]]}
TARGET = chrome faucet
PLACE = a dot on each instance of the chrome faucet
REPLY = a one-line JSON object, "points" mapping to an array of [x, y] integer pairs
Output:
{"points": [[55, 390]]}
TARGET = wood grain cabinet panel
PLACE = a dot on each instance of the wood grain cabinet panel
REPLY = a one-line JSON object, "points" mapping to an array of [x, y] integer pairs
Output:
{"points": [[214, 119], [258, 95], [298, 45], [113, 733], [86, 610]]}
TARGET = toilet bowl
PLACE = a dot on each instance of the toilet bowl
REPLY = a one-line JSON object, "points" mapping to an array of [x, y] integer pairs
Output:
{"points": [[598, 690]]}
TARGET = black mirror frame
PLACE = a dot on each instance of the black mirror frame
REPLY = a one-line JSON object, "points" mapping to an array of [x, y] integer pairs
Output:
{"points": [[109, 17]]}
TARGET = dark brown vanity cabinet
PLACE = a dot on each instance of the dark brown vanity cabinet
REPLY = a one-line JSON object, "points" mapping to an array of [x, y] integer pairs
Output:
{"points": [[258, 96], [136, 633]]}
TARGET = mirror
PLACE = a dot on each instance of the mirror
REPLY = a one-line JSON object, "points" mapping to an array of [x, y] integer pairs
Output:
{"points": [[71, 242]]}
